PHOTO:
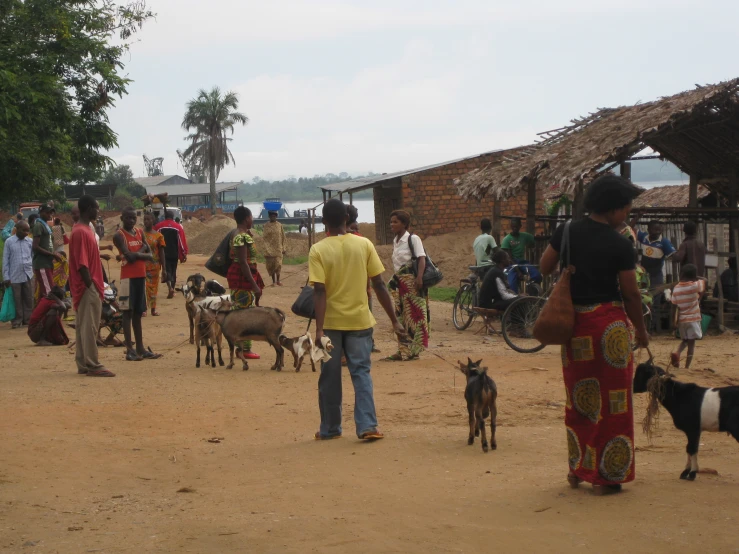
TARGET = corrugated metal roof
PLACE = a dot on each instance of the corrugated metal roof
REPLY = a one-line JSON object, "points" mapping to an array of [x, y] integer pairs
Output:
{"points": [[190, 189], [673, 196], [154, 181], [356, 185]]}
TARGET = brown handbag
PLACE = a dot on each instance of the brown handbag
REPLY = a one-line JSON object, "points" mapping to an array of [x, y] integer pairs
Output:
{"points": [[556, 321]]}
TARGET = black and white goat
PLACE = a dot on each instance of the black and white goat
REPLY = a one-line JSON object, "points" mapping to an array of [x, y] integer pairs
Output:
{"points": [[693, 409], [481, 395], [197, 288], [207, 330]]}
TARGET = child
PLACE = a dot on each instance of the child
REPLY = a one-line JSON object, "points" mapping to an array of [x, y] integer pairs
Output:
{"points": [[686, 296]]}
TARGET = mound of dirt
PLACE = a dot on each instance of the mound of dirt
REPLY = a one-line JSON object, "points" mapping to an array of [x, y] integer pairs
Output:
{"points": [[207, 236]]}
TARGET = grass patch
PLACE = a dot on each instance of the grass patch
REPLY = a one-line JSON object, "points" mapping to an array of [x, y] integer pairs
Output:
{"points": [[297, 260], [442, 294]]}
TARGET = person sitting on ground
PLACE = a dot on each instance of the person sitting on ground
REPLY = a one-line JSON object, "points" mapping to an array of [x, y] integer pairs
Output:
{"points": [[494, 292], [692, 250], [484, 244], [338, 269], [45, 327], [134, 253], [686, 296], [729, 283]]}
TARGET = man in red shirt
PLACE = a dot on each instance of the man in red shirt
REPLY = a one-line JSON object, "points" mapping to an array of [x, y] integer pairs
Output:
{"points": [[175, 249], [86, 286], [134, 253]]}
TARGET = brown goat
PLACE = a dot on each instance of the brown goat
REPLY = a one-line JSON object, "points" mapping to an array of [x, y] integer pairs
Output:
{"points": [[207, 331], [259, 323], [481, 395]]}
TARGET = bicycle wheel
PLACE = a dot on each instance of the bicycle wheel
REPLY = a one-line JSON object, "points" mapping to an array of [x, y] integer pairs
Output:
{"points": [[534, 289], [518, 324], [463, 315]]}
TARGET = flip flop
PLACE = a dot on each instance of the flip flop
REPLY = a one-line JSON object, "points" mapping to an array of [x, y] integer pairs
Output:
{"points": [[149, 355], [371, 435], [155, 314], [397, 357], [675, 359], [133, 357], [100, 373], [319, 437]]}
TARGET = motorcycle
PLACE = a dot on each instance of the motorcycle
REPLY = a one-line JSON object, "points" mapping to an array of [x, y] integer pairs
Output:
{"points": [[111, 317]]}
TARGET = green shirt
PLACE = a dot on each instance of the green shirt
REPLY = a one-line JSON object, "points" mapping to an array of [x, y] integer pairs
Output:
{"points": [[517, 245], [43, 261], [480, 246]]}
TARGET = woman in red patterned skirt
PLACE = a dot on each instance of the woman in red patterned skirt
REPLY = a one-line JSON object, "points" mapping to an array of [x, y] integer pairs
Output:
{"points": [[597, 363]]}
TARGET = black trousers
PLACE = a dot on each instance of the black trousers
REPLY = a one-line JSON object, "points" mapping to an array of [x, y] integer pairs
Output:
{"points": [[170, 264]]}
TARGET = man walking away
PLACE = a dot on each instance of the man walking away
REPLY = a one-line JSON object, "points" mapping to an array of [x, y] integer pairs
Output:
{"points": [[43, 252], [338, 269], [134, 253], [484, 244], [275, 247], [18, 272], [692, 250], [175, 250], [86, 286]]}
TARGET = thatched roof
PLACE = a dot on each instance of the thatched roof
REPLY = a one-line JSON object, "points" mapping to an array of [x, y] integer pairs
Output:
{"points": [[671, 196], [697, 130]]}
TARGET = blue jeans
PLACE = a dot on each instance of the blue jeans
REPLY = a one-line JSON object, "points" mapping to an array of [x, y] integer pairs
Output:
{"points": [[357, 347], [533, 272]]}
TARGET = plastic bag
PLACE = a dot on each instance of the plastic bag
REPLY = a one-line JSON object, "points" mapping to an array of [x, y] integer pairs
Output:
{"points": [[7, 312]]}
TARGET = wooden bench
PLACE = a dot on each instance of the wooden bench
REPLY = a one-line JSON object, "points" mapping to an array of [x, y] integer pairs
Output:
{"points": [[488, 316]]}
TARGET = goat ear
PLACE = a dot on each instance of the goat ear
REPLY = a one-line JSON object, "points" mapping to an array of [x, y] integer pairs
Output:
{"points": [[463, 367], [469, 361], [478, 362]]}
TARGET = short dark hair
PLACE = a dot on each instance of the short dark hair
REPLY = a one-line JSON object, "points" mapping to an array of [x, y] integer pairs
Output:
{"points": [[31, 220], [403, 216], [486, 225], [353, 213], [653, 223], [57, 221], [610, 192], [690, 228], [168, 214], [334, 213], [689, 272], [515, 220], [241, 213], [499, 256], [85, 203], [58, 292]]}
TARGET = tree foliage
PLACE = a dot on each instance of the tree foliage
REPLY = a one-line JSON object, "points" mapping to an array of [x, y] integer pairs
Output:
{"points": [[122, 177], [303, 188], [60, 64], [210, 118]]}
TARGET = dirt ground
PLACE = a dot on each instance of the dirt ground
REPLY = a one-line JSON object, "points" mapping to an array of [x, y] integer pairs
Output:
{"points": [[95, 465]]}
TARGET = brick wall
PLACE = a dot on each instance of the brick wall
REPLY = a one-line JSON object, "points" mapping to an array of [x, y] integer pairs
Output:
{"points": [[436, 208]]}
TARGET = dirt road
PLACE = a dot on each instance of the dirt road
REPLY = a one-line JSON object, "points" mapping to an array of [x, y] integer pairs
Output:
{"points": [[95, 465]]}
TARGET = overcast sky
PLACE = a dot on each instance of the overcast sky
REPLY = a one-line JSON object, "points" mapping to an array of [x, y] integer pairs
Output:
{"points": [[382, 86]]}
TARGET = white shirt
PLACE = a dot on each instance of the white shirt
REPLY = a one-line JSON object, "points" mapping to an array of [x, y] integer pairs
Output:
{"points": [[94, 232], [402, 252]]}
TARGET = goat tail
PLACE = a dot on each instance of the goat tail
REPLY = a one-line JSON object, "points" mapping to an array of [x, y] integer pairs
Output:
{"points": [[281, 314]]}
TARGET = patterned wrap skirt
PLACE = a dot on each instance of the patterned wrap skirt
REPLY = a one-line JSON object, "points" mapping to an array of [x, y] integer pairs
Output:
{"points": [[412, 310], [598, 372], [153, 271]]}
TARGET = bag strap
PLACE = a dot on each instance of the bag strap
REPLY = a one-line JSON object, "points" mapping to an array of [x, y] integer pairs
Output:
{"points": [[410, 245], [565, 244]]}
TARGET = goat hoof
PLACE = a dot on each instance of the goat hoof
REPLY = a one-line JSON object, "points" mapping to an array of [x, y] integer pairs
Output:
{"points": [[484, 447], [471, 440], [692, 475], [684, 474], [493, 446], [297, 370], [477, 432], [197, 365], [192, 341], [221, 363]]}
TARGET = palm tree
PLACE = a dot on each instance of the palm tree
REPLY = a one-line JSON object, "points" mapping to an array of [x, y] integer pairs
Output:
{"points": [[209, 118]]}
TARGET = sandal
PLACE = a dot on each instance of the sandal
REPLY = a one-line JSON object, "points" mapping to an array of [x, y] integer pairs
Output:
{"points": [[144, 314], [149, 355], [397, 357], [100, 373], [675, 360], [155, 313], [371, 435], [319, 437], [132, 356]]}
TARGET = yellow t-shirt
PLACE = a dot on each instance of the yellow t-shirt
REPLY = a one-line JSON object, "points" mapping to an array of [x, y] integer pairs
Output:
{"points": [[343, 263]]}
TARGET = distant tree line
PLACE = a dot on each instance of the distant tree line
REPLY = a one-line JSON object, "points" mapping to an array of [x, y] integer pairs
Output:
{"points": [[295, 188]]}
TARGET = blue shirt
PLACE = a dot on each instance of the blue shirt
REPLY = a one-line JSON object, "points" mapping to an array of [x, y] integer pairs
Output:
{"points": [[18, 260], [654, 252]]}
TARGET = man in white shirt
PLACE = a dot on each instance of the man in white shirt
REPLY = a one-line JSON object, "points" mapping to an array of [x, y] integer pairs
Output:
{"points": [[18, 272], [484, 244]]}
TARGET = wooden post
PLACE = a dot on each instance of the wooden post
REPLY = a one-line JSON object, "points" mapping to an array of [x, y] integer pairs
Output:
{"points": [[351, 198], [578, 203], [733, 184], [693, 192], [496, 222], [625, 170], [531, 208], [720, 290]]}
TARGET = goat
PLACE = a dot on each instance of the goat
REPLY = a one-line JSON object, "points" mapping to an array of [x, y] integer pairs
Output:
{"points": [[693, 409], [258, 323], [299, 347], [196, 287], [207, 330], [481, 395]]}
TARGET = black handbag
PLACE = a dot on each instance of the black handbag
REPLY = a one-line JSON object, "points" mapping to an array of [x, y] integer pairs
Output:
{"points": [[431, 275], [220, 261], [305, 304]]}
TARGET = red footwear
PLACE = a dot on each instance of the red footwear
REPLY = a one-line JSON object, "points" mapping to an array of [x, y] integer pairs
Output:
{"points": [[251, 356], [675, 359]]}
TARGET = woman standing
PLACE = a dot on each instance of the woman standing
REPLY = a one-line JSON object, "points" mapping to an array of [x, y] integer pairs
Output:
{"points": [[407, 290], [155, 267], [597, 362], [60, 271], [57, 235], [243, 278]]}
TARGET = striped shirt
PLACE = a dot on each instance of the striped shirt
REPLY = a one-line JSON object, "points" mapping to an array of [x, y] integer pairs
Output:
{"points": [[17, 260], [686, 296]]}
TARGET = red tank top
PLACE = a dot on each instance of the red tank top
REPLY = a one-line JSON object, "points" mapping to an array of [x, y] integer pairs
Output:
{"points": [[134, 243]]}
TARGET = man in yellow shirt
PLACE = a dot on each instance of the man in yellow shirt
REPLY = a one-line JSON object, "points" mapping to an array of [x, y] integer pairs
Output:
{"points": [[339, 267]]}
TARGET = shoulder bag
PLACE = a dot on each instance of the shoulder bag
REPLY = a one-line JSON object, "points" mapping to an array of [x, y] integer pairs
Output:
{"points": [[220, 261], [556, 321], [431, 274], [305, 303]]}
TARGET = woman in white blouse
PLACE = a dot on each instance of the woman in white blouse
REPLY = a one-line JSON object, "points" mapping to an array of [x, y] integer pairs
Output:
{"points": [[407, 290]]}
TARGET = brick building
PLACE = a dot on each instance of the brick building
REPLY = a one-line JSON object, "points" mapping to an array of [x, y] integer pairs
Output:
{"points": [[431, 197]]}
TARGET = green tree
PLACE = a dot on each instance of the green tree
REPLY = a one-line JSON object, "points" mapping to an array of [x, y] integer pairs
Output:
{"points": [[59, 74], [210, 118], [121, 177]]}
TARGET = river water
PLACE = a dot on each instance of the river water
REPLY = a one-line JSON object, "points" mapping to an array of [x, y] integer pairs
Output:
{"points": [[365, 208]]}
